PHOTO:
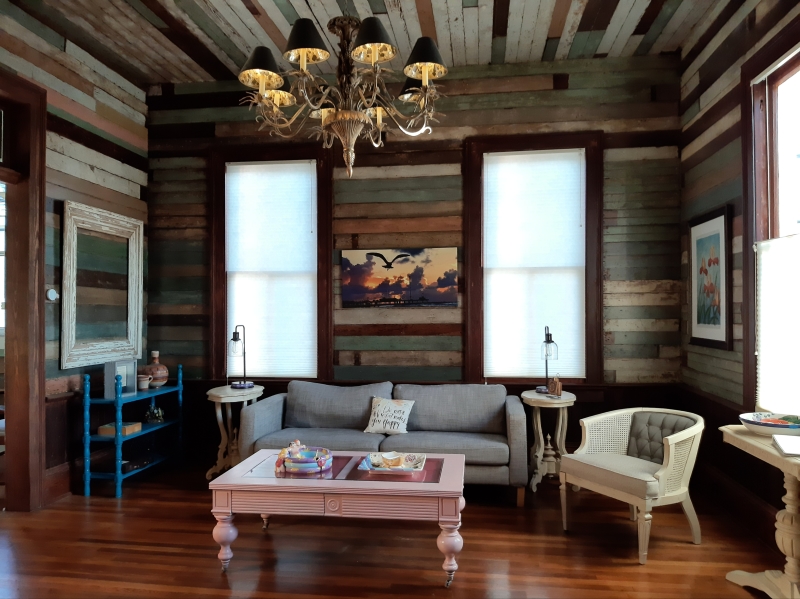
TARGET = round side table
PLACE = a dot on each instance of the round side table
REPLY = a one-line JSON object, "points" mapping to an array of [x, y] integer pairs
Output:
{"points": [[544, 459], [228, 453]]}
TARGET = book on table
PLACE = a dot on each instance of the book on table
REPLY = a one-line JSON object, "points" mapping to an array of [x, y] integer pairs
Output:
{"points": [[788, 445], [128, 428]]}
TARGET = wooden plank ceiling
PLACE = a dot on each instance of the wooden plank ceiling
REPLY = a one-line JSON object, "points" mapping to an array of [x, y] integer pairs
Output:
{"points": [[185, 41]]}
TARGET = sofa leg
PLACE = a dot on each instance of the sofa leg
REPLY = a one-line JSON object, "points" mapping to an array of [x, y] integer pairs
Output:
{"points": [[520, 496]]}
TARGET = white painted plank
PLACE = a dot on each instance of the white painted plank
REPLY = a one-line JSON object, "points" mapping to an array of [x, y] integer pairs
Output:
{"points": [[121, 107], [71, 166], [31, 71], [673, 25], [455, 20], [67, 147], [362, 8], [725, 123], [529, 16], [471, 35], [695, 19], [399, 172], [614, 26], [98, 67], [570, 28], [628, 27], [304, 12], [397, 62], [631, 45], [411, 17], [651, 153], [440, 21], [401, 37], [700, 28], [546, 9], [228, 12], [276, 16], [485, 22], [516, 9], [243, 40]]}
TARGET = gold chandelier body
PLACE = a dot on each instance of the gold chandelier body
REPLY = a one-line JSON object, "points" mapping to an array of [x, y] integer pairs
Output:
{"points": [[359, 105]]}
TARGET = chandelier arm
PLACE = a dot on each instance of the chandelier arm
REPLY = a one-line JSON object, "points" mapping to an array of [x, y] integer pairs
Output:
{"points": [[280, 123], [393, 114]]}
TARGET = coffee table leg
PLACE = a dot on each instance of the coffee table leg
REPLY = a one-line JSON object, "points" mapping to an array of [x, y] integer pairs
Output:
{"points": [[225, 534], [265, 520], [450, 543]]}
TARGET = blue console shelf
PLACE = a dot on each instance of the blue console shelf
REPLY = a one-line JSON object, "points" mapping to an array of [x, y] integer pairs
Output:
{"points": [[118, 476]]}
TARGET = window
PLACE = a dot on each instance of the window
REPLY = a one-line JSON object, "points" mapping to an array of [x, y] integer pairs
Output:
{"points": [[532, 256], [787, 159], [271, 266], [534, 260]]}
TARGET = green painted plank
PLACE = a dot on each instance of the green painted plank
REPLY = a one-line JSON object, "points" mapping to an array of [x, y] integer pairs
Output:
{"points": [[630, 351], [378, 7], [178, 298], [641, 248], [642, 221], [183, 348], [183, 174], [174, 253], [220, 114], [635, 312], [550, 47], [691, 112], [578, 44], [288, 11], [178, 284], [398, 343], [498, 50], [92, 129], [177, 162], [667, 10], [400, 195], [731, 153], [409, 183], [673, 185], [643, 273], [713, 384], [178, 197], [649, 260], [397, 373], [645, 338], [85, 331], [469, 3], [32, 25], [177, 186], [212, 30], [549, 97], [592, 42], [209, 87], [101, 313], [148, 14], [730, 191]]}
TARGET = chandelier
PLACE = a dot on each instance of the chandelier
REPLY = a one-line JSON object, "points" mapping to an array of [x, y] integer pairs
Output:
{"points": [[359, 105]]}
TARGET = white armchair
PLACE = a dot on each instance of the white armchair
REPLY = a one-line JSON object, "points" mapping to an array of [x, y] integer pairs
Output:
{"points": [[642, 456]]}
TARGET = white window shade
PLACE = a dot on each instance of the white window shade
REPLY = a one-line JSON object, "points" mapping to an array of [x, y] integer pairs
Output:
{"points": [[534, 259], [271, 264], [777, 324]]}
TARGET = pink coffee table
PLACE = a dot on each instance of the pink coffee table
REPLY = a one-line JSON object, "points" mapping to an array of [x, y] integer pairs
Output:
{"points": [[252, 487]]}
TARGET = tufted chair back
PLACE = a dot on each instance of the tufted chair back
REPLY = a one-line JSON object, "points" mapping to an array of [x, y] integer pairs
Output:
{"points": [[648, 429]]}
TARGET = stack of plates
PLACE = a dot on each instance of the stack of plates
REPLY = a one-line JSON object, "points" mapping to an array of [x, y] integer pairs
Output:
{"points": [[769, 423]]}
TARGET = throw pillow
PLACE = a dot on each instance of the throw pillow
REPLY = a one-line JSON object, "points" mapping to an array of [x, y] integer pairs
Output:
{"points": [[389, 416]]}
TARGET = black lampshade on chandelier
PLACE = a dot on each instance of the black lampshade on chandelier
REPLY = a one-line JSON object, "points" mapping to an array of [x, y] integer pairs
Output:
{"points": [[359, 103]]}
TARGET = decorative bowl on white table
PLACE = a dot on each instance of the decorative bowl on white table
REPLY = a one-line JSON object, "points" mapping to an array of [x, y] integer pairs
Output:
{"points": [[769, 423]]}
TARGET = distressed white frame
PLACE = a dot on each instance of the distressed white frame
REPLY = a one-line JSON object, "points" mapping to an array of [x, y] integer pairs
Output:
{"points": [[87, 353]]}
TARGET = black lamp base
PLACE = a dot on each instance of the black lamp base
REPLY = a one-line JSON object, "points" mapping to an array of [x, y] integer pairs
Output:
{"points": [[542, 389], [242, 385]]}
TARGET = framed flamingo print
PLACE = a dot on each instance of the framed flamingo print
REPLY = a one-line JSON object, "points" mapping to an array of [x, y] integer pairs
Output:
{"points": [[710, 295]]}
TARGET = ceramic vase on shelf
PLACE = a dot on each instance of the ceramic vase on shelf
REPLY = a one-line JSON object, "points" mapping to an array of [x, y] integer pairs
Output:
{"points": [[157, 370]]}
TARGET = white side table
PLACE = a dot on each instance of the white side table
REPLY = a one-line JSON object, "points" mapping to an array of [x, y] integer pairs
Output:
{"points": [[228, 453], [538, 459]]}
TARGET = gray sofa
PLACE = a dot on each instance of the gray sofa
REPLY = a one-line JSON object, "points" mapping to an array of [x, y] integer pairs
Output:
{"points": [[479, 421]]}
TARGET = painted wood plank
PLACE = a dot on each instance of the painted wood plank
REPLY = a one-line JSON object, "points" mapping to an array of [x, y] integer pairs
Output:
{"points": [[485, 20], [672, 26], [399, 330], [529, 16], [652, 153], [516, 10], [71, 166], [80, 152], [641, 324], [401, 36], [640, 338], [642, 365], [540, 32], [641, 299], [342, 187], [398, 343], [695, 19], [570, 28], [119, 107], [397, 373], [186, 174], [398, 209], [206, 30], [471, 34], [668, 376], [400, 358], [642, 287], [455, 23], [399, 172], [98, 200], [177, 162], [722, 125], [615, 25], [384, 240], [715, 353], [632, 351], [397, 316], [628, 26], [396, 225]]}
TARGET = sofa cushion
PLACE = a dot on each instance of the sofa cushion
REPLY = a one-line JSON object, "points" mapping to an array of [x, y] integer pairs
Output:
{"points": [[621, 472], [478, 448], [648, 429], [456, 408], [311, 405], [335, 439]]}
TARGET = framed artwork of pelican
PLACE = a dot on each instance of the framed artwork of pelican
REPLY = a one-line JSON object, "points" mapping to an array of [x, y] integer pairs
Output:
{"points": [[400, 278]]}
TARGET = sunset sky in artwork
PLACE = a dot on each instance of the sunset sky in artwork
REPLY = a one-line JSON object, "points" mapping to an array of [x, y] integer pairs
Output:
{"points": [[432, 272]]}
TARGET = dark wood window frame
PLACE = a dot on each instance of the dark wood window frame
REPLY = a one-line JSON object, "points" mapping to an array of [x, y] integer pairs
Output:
{"points": [[758, 131], [219, 291], [474, 149]]}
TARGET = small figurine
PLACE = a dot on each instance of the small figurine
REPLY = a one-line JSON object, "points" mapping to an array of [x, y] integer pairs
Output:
{"points": [[154, 414], [295, 448], [279, 467], [321, 462]]}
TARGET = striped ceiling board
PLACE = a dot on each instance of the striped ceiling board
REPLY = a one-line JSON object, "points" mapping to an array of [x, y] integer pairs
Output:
{"points": [[190, 41]]}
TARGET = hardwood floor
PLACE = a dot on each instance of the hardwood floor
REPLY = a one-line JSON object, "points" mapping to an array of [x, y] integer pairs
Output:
{"points": [[156, 541]]}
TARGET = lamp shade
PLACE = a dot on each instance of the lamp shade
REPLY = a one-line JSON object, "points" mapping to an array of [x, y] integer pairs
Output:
{"points": [[549, 347], [304, 38], [283, 96], [425, 55], [261, 64], [373, 43], [406, 94]]}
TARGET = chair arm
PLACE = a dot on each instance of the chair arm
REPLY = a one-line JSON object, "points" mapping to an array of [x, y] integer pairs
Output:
{"points": [[606, 433], [259, 419], [516, 429], [680, 452]]}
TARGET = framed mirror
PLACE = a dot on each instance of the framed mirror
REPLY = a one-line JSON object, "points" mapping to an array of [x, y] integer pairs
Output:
{"points": [[101, 300]]}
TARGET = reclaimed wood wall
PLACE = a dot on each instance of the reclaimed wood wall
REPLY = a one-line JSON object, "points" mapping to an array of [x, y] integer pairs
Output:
{"points": [[409, 194], [96, 146], [711, 161]]}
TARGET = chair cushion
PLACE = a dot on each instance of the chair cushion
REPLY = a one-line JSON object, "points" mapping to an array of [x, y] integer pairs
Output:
{"points": [[648, 429], [456, 408], [621, 472], [335, 439], [479, 448], [311, 405]]}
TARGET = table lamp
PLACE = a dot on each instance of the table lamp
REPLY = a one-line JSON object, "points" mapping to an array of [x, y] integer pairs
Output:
{"points": [[549, 352], [236, 349]]}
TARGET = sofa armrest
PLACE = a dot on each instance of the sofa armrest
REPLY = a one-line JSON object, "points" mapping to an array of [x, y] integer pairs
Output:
{"points": [[259, 419], [516, 429]]}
